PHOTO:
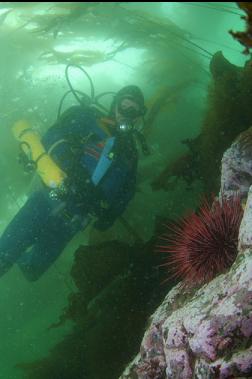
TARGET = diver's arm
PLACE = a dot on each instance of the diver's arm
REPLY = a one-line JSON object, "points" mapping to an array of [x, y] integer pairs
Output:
{"points": [[118, 206]]}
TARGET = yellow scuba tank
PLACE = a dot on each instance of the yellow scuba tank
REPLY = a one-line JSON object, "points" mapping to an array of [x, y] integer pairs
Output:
{"points": [[50, 173]]}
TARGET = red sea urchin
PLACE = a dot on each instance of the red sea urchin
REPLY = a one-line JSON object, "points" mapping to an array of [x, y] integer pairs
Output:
{"points": [[204, 244]]}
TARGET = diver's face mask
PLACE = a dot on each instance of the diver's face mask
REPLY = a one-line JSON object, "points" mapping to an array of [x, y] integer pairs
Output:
{"points": [[127, 112]]}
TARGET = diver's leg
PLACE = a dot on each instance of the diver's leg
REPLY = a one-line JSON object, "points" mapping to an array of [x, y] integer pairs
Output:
{"points": [[24, 229], [49, 246]]}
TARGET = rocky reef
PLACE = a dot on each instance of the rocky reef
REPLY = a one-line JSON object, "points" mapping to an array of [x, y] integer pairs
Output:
{"points": [[203, 332]]}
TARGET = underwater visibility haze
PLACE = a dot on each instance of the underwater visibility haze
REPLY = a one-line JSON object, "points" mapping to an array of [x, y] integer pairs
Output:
{"points": [[114, 118]]}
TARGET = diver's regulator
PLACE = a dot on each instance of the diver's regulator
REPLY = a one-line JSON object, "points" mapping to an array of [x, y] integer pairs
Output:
{"points": [[126, 126]]}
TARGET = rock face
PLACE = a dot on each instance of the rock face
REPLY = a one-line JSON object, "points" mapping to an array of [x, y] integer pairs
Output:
{"points": [[206, 332]]}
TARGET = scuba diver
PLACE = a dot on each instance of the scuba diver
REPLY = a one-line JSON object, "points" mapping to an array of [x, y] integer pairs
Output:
{"points": [[95, 160]]}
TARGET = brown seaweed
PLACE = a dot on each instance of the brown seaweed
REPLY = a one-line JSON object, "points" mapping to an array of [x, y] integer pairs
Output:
{"points": [[229, 113], [80, 57], [117, 288], [245, 38]]}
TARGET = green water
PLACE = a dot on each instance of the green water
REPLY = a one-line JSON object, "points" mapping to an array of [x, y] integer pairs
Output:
{"points": [[32, 85]]}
